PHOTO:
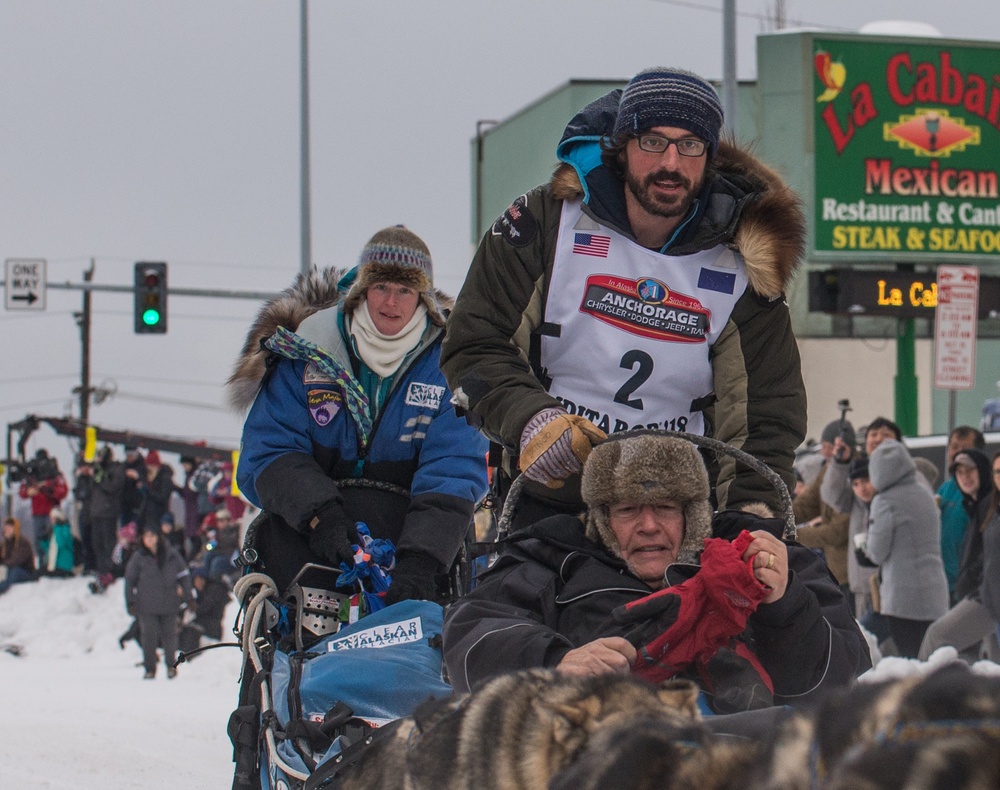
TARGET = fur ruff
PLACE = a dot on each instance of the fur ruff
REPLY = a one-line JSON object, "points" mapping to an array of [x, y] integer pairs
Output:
{"points": [[309, 293], [772, 228]]}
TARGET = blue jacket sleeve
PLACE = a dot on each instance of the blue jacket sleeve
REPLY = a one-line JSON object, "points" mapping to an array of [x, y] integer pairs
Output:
{"points": [[449, 481], [276, 447]]}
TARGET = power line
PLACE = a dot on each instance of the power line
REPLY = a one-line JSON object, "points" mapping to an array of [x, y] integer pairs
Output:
{"points": [[170, 401], [27, 379], [33, 404], [147, 379], [749, 15]]}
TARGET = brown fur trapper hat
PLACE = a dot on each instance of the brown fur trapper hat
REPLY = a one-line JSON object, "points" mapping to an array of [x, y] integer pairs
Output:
{"points": [[646, 469], [396, 255]]}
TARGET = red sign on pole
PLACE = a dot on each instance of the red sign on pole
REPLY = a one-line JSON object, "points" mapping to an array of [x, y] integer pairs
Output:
{"points": [[955, 327]]}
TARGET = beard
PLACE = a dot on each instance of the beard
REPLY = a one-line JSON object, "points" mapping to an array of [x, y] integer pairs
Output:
{"points": [[662, 205]]}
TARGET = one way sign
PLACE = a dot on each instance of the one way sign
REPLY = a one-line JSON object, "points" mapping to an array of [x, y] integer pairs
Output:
{"points": [[25, 278]]}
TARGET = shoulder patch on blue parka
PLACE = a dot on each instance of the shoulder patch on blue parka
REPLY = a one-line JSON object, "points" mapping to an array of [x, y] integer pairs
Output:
{"points": [[516, 224], [313, 375], [427, 396], [323, 405]]}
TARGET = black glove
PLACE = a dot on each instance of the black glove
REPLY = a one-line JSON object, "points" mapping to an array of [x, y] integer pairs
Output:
{"points": [[729, 523], [331, 534], [863, 559], [413, 578]]}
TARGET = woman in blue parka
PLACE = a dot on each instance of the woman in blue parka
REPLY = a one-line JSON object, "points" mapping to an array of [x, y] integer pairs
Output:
{"points": [[344, 381]]}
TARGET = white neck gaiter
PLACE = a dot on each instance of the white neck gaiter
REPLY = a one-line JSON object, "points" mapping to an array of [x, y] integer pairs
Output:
{"points": [[384, 353]]}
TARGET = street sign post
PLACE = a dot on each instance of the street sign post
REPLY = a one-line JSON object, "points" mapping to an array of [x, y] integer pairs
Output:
{"points": [[25, 278], [955, 327]]}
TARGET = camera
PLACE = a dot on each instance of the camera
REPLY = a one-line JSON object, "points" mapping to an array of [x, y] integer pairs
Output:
{"points": [[39, 468], [846, 436]]}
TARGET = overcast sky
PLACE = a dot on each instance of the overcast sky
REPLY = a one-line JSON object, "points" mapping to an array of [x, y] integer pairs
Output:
{"points": [[169, 130]]}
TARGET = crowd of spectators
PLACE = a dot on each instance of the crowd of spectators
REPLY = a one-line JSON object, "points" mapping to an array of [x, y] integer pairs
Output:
{"points": [[910, 558], [172, 538], [848, 504]]}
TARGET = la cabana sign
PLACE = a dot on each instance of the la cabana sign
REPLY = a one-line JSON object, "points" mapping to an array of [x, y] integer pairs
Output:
{"points": [[906, 135]]}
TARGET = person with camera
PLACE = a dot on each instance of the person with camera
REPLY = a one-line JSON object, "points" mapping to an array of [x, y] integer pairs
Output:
{"points": [[106, 483], [821, 526], [46, 487]]}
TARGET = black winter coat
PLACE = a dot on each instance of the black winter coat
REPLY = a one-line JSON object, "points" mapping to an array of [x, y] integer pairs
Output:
{"points": [[554, 590], [152, 581]]}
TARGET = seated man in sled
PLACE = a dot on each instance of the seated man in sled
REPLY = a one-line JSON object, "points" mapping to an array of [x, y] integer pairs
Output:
{"points": [[344, 383], [648, 582]]}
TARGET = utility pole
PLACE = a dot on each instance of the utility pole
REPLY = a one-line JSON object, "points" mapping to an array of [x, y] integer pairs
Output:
{"points": [[729, 64], [84, 322], [306, 208]]}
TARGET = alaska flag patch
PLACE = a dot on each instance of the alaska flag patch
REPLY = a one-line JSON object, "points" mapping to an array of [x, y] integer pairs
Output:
{"points": [[723, 282]]}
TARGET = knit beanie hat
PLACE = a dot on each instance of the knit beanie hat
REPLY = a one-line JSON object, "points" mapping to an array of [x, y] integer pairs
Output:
{"points": [[859, 468], [396, 255], [670, 97], [645, 469]]}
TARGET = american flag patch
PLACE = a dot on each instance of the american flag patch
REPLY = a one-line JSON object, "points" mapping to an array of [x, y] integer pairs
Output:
{"points": [[589, 244]]}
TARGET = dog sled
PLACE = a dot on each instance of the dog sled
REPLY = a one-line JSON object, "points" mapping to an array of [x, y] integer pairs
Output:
{"points": [[326, 669], [326, 665]]}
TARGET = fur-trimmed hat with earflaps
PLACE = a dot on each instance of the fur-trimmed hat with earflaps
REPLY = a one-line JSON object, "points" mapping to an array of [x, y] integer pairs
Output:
{"points": [[647, 469], [396, 255]]}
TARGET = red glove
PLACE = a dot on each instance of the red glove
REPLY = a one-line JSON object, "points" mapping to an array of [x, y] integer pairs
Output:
{"points": [[692, 620]]}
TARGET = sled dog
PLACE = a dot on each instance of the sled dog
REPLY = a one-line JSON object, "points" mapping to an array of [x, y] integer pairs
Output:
{"points": [[519, 731]]}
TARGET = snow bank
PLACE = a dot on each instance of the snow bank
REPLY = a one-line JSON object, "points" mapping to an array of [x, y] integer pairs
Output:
{"points": [[77, 712]]}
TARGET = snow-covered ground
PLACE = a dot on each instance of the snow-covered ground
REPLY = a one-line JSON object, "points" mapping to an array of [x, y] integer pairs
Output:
{"points": [[76, 713]]}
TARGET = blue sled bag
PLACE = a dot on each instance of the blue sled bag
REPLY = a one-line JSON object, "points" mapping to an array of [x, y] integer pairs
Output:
{"points": [[368, 674]]}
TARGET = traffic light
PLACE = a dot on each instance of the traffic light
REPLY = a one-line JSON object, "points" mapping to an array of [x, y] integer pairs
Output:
{"points": [[150, 298]]}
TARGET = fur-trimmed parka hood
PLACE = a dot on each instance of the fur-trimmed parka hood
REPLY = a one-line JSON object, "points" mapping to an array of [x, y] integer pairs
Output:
{"points": [[309, 294], [744, 204]]}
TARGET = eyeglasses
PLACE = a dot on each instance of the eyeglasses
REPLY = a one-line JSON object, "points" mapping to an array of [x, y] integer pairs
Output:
{"points": [[657, 144], [633, 512]]}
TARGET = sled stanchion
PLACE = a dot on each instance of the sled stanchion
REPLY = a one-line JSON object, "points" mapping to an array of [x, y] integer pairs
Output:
{"points": [[748, 460], [254, 609], [503, 525]]}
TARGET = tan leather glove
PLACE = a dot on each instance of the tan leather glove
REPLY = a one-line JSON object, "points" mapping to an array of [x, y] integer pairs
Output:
{"points": [[555, 445]]}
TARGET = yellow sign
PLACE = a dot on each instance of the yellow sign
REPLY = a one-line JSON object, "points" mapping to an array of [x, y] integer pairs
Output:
{"points": [[233, 488], [90, 444]]}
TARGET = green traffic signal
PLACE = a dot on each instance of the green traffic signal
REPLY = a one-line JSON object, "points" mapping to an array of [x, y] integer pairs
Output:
{"points": [[150, 290]]}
